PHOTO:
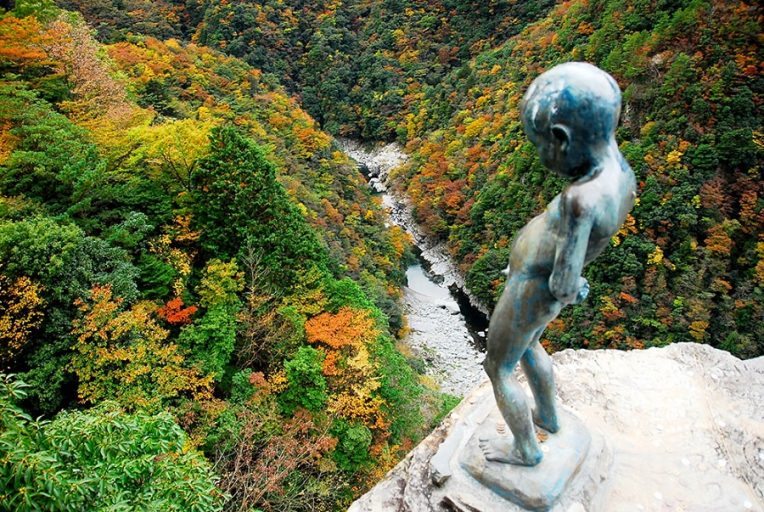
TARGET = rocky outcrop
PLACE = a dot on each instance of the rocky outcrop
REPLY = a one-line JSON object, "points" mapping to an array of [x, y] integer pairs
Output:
{"points": [[683, 427], [377, 162]]}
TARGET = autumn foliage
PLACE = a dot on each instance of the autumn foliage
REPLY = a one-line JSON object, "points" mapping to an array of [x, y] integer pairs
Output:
{"points": [[170, 222], [174, 313], [180, 233], [125, 356], [21, 313]]}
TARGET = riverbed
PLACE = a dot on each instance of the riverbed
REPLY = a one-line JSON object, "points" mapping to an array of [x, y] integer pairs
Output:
{"points": [[439, 331]]}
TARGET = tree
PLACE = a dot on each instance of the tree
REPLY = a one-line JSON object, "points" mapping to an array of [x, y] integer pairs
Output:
{"points": [[175, 314], [99, 458], [95, 91], [306, 386], [239, 204], [353, 444], [125, 356], [64, 261], [66, 264], [345, 338], [171, 151], [21, 42], [20, 316], [52, 159], [211, 338]]}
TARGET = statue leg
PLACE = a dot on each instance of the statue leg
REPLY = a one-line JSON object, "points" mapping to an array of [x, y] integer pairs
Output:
{"points": [[521, 315], [510, 332], [537, 366], [514, 408]]}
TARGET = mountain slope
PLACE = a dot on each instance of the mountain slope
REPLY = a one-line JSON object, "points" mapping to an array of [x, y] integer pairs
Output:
{"points": [[688, 264], [177, 235]]}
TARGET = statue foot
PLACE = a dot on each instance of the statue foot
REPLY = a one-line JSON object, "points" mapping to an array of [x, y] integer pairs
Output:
{"points": [[551, 425], [501, 449]]}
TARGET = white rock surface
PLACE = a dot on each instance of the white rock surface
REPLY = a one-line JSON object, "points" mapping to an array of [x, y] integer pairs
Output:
{"points": [[684, 424], [379, 161], [442, 340]]}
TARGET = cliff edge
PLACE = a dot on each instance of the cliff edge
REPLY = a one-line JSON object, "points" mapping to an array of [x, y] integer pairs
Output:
{"points": [[682, 425]]}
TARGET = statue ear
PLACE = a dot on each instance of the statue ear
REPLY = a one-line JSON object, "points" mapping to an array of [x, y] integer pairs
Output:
{"points": [[561, 133]]}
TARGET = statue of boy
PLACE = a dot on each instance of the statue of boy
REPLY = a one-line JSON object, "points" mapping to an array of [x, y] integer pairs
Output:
{"points": [[570, 114]]}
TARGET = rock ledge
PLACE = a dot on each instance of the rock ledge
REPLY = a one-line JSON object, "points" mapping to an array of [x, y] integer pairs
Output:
{"points": [[684, 425]]}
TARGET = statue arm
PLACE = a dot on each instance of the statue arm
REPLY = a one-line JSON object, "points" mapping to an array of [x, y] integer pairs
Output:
{"points": [[566, 283]]}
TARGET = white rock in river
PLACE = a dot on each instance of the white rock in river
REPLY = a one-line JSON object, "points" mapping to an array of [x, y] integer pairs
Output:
{"points": [[435, 332], [451, 306], [377, 185], [379, 161], [684, 424]]}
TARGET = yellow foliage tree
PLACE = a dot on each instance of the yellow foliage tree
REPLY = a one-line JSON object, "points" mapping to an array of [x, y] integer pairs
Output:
{"points": [[20, 315], [171, 149], [125, 356], [307, 296]]}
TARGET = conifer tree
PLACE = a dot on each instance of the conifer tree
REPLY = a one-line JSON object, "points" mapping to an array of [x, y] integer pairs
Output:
{"points": [[240, 206]]}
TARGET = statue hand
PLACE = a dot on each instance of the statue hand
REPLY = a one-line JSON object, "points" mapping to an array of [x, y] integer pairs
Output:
{"points": [[583, 290]]}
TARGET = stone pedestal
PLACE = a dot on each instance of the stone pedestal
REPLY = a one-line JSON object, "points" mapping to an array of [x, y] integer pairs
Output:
{"points": [[469, 482], [534, 488]]}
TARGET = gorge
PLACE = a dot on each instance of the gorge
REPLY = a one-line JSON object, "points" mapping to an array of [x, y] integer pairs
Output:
{"points": [[444, 328], [204, 303]]}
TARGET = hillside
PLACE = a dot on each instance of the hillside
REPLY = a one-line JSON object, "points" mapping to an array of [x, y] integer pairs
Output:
{"points": [[181, 245], [445, 78], [196, 284], [357, 66], [688, 265]]}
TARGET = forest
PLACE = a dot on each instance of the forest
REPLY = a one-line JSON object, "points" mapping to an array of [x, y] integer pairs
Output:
{"points": [[199, 295]]}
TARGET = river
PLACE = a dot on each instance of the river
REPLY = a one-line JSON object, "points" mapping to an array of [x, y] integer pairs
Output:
{"points": [[445, 330]]}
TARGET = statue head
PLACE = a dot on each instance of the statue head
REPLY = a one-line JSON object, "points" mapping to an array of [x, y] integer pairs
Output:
{"points": [[570, 113]]}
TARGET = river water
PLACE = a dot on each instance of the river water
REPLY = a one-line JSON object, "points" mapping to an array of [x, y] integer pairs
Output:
{"points": [[445, 331]]}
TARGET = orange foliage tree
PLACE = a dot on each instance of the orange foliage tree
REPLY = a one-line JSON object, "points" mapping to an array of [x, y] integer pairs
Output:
{"points": [[175, 314], [22, 42], [344, 338]]}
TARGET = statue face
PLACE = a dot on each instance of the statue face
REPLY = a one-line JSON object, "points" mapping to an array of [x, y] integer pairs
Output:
{"points": [[550, 150]]}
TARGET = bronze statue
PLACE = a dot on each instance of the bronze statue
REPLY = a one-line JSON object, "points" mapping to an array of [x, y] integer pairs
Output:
{"points": [[570, 113]]}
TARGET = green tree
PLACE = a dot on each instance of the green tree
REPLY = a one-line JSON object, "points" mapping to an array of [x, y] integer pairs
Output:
{"points": [[101, 458], [67, 264], [52, 159], [354, 440], [306, 384], [239, 204], [212, 337]]}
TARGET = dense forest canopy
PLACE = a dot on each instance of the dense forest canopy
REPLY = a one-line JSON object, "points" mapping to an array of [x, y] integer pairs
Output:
{"points": [[196, 286], [444, 78]]}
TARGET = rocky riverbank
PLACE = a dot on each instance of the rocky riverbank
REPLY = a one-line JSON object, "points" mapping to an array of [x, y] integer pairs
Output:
{"points": [[377, 162], [438, 332], [439, 335]]}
